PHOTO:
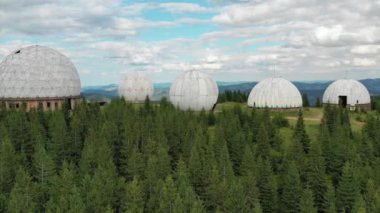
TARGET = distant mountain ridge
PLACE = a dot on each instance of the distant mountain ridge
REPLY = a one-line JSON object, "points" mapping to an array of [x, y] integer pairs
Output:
{"points": [[313, 89]]}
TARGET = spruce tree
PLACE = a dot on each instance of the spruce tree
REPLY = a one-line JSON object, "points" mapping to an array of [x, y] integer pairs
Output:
{"points": [[236, 200], [8, 163], [265, 187], [22, 196], [330, 198], [318, 102], [43, 171], [360, 205], [225, 165], [263, 146], [185, 189], [7, 170], [347, 191], [248, 164], [307, 202], [135, 164], [300, 134], [43, 165], [215, 191], [316, 176], [134, 197], [58, 145], [170, 200], [291, 189], [305, 100], [64, 194]]}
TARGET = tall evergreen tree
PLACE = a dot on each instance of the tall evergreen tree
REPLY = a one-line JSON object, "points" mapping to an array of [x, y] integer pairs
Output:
{"points": [[170, 200], [265, 187], [43, 171], [318, 102], [236, 200], [65, 195], [58, 145], [307, 202], [134, 197], [22, 196], [305, 100], [7, 170], [359, 206], [291, 189], [347, 191], [263, 146], [300, 134], [316, 177]]}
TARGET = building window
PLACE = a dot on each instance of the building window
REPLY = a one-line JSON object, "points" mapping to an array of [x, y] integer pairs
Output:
{"points": [[17, 105], [48, 104], [56, 105]]}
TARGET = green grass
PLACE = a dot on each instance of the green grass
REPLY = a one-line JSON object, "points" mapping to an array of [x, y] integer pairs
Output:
{"points": [[312, 119]]}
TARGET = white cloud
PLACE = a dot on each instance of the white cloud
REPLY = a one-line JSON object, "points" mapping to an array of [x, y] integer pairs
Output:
{"points": [[365, 49], [183, 8], [364, 62], [304, 39]]}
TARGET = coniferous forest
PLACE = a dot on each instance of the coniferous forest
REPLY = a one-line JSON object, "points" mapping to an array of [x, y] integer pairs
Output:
{"points": [[155, 158]]}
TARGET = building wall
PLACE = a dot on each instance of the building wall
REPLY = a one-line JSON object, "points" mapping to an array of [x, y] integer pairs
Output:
{"points": [[47, 104], [353, 107]]}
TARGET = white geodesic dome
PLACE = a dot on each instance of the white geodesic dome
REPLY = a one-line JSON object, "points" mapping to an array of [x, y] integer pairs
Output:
{"points": [[355, 92], [275, 93], [38, 72], [194, 90], [135, 87]]}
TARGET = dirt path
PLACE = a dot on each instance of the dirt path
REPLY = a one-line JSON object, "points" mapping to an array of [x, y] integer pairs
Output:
{"points": [[305, 119]]}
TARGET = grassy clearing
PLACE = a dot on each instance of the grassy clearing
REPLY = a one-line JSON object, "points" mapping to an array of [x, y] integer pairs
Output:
{"points": [[312, 119]]}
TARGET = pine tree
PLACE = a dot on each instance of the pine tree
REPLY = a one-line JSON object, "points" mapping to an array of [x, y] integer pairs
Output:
{"points": [[7, 169], [370, 196], [96, 152], [7, 164], [43, 171], [170, 200], [135, 164], [59, 138], [43, 165], [64, 194], [330, 198], [305, 100], [185, 189], [264, 185], [318, 102], [291, 189], [307, 202], [263, 146], [133, 201], [300, 134], [347, 191], [257, 208], [359, 206], [22, 198], [225, 165], [197, 207], [248, 164], [215, 191], [316, 176], [99, 190], [236, 200]]}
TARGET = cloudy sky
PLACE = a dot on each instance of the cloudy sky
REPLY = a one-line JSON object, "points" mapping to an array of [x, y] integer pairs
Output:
{"points": [[246, 40]]}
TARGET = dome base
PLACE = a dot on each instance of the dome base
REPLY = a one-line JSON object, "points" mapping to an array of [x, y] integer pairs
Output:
{"points": [[47, 104], [352, 107], [291, 109]]}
